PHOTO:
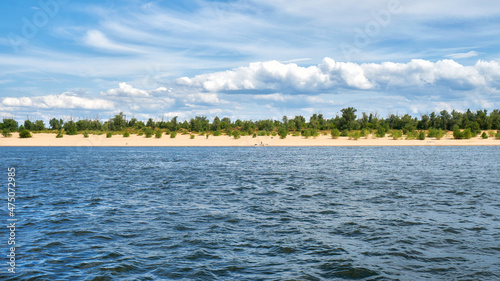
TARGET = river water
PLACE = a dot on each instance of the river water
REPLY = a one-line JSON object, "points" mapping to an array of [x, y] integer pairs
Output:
{"points": [[256, 213]]}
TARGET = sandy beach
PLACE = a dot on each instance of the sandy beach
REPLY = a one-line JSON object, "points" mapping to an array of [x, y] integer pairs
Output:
{"points": [[47, 139]]}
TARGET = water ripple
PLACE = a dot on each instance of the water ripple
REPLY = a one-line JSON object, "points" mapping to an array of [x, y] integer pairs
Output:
{"points": [[381, 213]]}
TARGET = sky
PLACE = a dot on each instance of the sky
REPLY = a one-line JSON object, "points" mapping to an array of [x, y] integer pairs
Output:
{"points": [[247, 59]]}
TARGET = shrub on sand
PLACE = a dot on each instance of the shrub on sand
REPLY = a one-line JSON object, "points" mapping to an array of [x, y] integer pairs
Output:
{"points": [[421, 135], [6, 133], [396, 134], [335, 134], [158, 134], [354, 135], [25, 134]]}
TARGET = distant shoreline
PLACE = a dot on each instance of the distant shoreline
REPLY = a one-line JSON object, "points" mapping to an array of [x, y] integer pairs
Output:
{"points": [[48, 139]]}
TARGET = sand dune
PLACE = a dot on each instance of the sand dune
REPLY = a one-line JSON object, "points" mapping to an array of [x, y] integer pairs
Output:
{"points": [[45, 139]]}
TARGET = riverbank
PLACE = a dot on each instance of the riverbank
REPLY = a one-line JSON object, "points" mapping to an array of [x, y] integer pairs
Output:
{"points": [[47, 139]]}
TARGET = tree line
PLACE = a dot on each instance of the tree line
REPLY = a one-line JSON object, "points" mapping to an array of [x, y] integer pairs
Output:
{"points": [[347, 121]]}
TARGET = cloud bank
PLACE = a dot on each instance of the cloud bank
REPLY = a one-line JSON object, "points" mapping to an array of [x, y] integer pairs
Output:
{"points": [[332, 75], [62, 101]]}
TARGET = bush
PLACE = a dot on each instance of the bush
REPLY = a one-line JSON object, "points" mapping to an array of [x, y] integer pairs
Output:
{"points": [[282, 132], [380, 132], [365, 133], [140, 133], [435, 133], [457, 134], [173, 135], [208, 134], [236, 135], [440, 134], [396, 134], [191, 136], [86, 134], [421, 135], [59, 135], [217, 133], [306, 133], [335, 133], [474, 128], [411, 135], [274, 134], [109, 134], [491, 133], [6, 133], [344, 133], [148, 132], [126, 134], [158, 134], [254, 135], [296, 134], [25, 134], [354, 135], [466, 134], [484, 135], [497, 136]]}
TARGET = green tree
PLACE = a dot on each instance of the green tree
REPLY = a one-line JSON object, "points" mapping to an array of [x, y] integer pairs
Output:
{"points": [[215, 124], [10, 124], [118, 123], [56, 124], [70, 128], [347, 122]]}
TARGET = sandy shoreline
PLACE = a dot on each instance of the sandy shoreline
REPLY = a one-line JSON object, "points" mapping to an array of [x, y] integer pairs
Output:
{"points": [[47, 139]]}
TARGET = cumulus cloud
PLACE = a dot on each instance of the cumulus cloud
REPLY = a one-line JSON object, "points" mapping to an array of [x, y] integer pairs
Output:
{"points": [[331, 75], [65, 100]]}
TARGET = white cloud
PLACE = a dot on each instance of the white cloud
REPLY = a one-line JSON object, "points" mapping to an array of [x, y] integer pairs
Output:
{"points": [[63, 101], [271, 97], [97, 39], [126, 90], [463, 55], [202, 98], [331, 75]]}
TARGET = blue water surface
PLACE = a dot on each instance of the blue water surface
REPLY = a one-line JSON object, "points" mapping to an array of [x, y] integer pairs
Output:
{"points": [[263, 213]]}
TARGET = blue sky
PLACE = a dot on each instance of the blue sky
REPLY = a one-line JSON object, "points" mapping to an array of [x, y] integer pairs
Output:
{"points": [[247, 59]]}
